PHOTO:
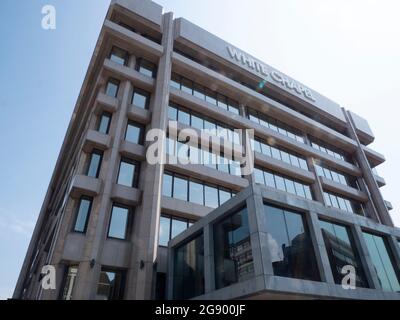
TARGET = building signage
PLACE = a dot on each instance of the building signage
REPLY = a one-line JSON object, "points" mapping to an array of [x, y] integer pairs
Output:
{"points": [[274, 75]]}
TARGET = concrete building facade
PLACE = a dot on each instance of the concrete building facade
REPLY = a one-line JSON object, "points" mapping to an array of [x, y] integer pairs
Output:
{"points": [[109, 214]]}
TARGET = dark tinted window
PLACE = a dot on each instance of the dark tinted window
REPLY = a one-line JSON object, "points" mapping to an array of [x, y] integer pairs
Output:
{"points": [[119, 56], [232, 250], [104, 123], [94, 164], [140, 98], [291, 249], [111, 285], [112, 88], [341, 252]]}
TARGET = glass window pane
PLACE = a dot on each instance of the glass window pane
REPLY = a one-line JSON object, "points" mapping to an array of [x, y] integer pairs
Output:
{"points": [[133, 133], [307, 191], [126, 174], [269, 179], [290, 186], [266, 149], [275, 153], [83, 215], [199, 92], [104, 123], [280, 183], [335, 177], [163, 237], [223, 196], [196, 193], [167, 185], [211, 196], [197, 122], [118, 223], [140, 99], [303, 164], [294, 161], [178, 226], [187, 86], [342, 204], [176, 81], [285, 157], [256, 146], [222, 102], [299, 189], [342, 179], [334, 201], [184, 117], [119, 56], [259, 176], [172, 113], [211, 97], [94, 165], [180, 189], [112, 88]]}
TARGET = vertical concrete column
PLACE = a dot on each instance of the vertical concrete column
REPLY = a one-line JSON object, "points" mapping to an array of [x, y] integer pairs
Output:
{"points": [[258, 233], [209, 269], [370, 181], [141, 276], [369, 205], [316, 187], [365, 258], [319, 248], [90, 267]]}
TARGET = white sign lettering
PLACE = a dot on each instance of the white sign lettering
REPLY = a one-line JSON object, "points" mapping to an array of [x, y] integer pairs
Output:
{"points": [[275, 76]]}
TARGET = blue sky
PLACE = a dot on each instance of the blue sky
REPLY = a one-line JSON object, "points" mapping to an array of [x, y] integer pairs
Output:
{"points": [[347, 50]]}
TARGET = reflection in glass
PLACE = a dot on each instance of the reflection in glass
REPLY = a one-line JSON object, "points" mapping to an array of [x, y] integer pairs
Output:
{"points": [[188, 281], [341, 252], [291, 249]]}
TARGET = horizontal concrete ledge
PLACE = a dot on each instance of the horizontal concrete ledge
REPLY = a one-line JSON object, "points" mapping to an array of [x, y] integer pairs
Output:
{"points": [[183, 208], [132, 150], [126, 195], [84, 186], [380, 181], [134, 41], [148, 10], [138, 114], [284, 168], [113, 69], [374, 157], [389, 205], [343, 190], [105, 103], [96, 140], [209, 175]]}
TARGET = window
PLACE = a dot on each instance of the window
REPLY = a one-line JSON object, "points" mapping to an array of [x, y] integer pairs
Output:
{"points": [[274, 125], [147, 68], [170, 227], [183, 188], [112, 87], [167, 185], [385, 269], [119, 56], [203, 93], [323, 147], [338, 202], [127, 175], [111, 285], [82, 217], [104, 123], [336, 176], [291, 249], [94, 164], [232, 250], [69, 282], [140, 98], [196, 192], [188, 278], [134, 133], [273, 180], [118, 222], [341, 252]]}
